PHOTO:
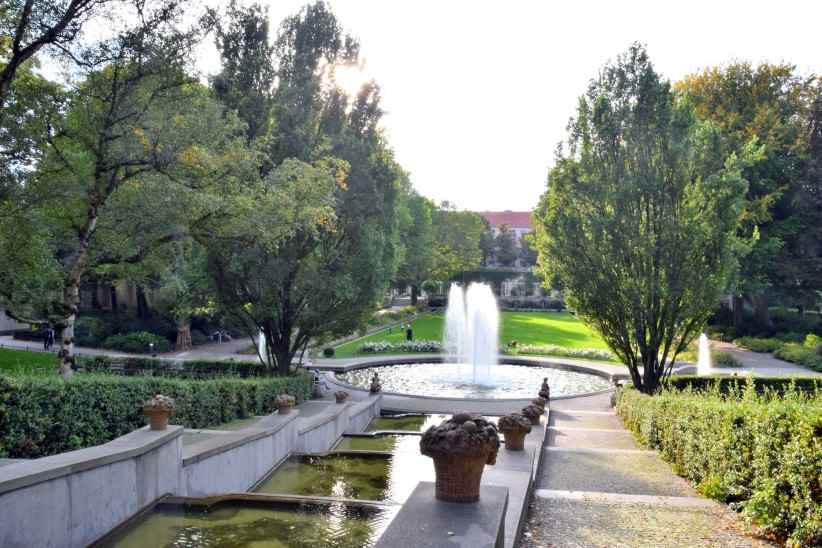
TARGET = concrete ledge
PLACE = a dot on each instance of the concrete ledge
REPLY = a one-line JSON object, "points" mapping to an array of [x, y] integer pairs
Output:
{"points": [[134, 444], [425, 522], [333, 411]]}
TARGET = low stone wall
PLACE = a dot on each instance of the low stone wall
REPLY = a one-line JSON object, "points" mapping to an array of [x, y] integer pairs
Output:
{"points": [[74, 498]]}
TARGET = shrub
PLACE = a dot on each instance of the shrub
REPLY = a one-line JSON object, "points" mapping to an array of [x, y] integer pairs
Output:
{"points": [[91, 331], [724, 359], [42, 416], [756, 344], [764, 454], [761, 385], [813, 342], [328, 352], [801, 354], [553, 350], [138, 343], [404, 346], [175, 368], [198, 337]]}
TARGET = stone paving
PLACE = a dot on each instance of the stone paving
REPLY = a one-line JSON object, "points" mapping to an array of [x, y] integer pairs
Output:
{"points": [[597, 488]]}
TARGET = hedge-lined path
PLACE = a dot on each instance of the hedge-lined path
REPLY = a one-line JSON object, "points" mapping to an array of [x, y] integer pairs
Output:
{"points": [[762, 364], [597, 488]]}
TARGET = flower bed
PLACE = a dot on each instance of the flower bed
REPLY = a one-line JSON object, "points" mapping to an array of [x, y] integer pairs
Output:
{"points": [[553, 350], [761, 454], [42, 416], [404, 346]]}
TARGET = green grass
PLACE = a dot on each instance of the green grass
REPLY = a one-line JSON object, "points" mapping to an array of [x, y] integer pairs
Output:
{"points": [[16, 362], [557, 328]]}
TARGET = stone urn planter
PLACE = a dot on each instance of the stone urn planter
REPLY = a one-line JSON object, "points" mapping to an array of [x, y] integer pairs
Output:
{"points": [[376, 386], [284, 403], [540, 402], [158, 410], [460, 447], [514, 427], [545, 390], [341, 396], [532, 413]]}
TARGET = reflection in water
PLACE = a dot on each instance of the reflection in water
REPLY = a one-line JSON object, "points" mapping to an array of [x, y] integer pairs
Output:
{"points": [[236, 526]]}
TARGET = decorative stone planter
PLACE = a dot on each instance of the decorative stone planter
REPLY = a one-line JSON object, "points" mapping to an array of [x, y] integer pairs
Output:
{"points": [[532, 413], [514, 427], [460, 447], [539, 402], [158, 410], [284, 403], [545, 390], [341, 396], [376, 386]]}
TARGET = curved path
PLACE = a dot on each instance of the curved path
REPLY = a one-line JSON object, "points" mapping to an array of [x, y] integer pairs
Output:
{"points": [[598, 488]]}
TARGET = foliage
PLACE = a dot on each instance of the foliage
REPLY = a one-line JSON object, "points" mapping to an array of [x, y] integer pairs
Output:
{"points": [[26, 362], [138, 342], [641, 199], [724, 359], [761, 453], [401, 347], [756, 344], [506, 251], [553, 350], [456, 241], [328, 352], [174, 368], [46, 416], [416, 241], [735, 384], [800, 354]]}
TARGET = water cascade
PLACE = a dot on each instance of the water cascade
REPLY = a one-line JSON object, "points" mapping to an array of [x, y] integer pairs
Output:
{"points": [[472, 330], [261, 346], [703, 364]]}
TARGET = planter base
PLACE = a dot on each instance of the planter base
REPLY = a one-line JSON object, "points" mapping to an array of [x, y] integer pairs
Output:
{"points": [[458, 478], [514, 440]]}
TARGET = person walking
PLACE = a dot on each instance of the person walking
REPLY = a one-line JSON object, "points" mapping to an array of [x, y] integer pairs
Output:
{"points": [[48, 340], [409, 332]]}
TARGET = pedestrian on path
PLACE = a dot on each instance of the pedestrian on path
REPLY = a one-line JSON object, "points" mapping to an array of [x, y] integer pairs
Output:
{"points": [[48, 339], [409, 332]]}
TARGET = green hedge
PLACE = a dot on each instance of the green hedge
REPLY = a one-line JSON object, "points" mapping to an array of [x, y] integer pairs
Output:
{"points": [[761, 454], [801, 354], [42, 416], [756, 344], [726, 385], [175, 368]]}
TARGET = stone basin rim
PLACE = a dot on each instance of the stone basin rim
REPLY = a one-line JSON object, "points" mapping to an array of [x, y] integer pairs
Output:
{"points": [[330, 376]]}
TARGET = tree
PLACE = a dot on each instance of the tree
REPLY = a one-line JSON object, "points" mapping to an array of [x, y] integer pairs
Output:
{"points": [[506, 246], [527, 251], [768, 105], [121, 126], [324, 276], [457, 236], [416, 241], [487, 243], [639, 219]]}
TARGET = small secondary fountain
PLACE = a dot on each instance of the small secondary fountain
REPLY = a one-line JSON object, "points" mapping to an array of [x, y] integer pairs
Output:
{"points": [[472, 330], [703, 364]]}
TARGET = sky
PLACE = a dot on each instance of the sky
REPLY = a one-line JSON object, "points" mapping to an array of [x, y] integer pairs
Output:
{"points": [[479, 93]]}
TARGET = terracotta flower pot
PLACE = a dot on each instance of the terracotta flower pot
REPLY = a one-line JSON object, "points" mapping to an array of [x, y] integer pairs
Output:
{"points": [[514, 439], [532, 413], [284, 403], [539, 402], [158, 418], [514, 427], [460, 448], [340, 396], [284, 409]]}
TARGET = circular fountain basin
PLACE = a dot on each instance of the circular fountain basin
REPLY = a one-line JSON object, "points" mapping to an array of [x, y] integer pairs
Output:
{"points": [[449, 380]]}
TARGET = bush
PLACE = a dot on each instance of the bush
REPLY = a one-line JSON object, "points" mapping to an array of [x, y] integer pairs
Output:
{"points": [[328, 352], [91, 331], [813, 342], [724, 359], [553, 350], [761, 385], [174, 368], [763, 454], [756, 344], [404, 346], [139, 342], [801, 354], [198, 337], [45, 416]]}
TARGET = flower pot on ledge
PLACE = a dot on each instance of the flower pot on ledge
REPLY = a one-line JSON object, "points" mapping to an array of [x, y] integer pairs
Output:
{"points": [[514, 427], [340, 396], [284, 404], [460, 447], [158, 410], [540, 402], [532, 413]]}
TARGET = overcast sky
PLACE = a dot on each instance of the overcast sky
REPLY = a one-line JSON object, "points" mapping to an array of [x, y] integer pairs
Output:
{"points": [[478, 93]]}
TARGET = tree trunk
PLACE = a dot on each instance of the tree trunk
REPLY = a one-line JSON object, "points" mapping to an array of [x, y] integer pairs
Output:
{"points": [[183, 335], [143, 311], [113, 293], [763, 315], [415, 294], [737, 307], [71, 301]]}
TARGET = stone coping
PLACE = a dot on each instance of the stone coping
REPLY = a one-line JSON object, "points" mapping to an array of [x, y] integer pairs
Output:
{"points": [[229, 440], [133, 444], [321, 419]]}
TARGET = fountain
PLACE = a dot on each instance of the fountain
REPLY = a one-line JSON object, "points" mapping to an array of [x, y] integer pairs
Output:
{"points": [[472, 330], [261, 346], [703, 364]]}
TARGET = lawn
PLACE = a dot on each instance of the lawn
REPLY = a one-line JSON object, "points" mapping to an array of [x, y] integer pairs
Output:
{"points": [[25, 361], [557, 328]]}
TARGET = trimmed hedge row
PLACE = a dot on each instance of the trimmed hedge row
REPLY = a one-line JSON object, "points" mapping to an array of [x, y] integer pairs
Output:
{"points": [[761, 454], [42, 416], [726, 385], [170, 368]]}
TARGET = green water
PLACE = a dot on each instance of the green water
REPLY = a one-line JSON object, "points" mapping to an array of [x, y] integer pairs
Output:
{"points": [[387, 443], [416, 423], [236, 526], [365, 477]]}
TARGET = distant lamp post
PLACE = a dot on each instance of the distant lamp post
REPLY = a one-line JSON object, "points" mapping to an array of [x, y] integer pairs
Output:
{"points": [[151, 348]]}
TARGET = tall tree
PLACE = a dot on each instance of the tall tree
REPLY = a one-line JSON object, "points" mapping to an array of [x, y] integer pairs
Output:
{"points": [[416, 241], [457, 241], [766, 104], [639, 219], [506, 246]]}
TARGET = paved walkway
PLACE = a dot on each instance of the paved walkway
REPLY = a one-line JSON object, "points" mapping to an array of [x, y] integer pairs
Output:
{"points": [[597, 488], [765, 365]]}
